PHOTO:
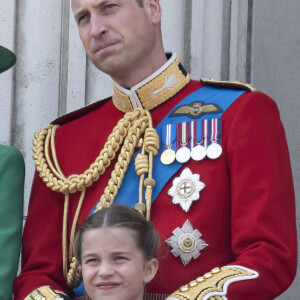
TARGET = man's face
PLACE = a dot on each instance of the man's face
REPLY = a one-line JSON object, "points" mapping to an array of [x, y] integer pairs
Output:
{"points": [[118, 35]]}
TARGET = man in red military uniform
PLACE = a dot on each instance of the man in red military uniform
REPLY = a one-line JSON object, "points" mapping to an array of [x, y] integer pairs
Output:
{"points": [[220, 183]]}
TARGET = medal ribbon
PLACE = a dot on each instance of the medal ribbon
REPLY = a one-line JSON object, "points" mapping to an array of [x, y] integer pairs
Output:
{"points": [[205, 132], [183, 135], [200, 135], [193, 134], [168, 136], [215, 131]]}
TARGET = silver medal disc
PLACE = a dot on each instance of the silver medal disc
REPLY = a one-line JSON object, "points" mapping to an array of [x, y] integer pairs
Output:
{"points": [[214, 150], [198, 153], [183, 155]]}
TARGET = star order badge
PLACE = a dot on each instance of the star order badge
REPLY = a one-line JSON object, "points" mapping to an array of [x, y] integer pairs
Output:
{"points": [[186, 189], [186, 243]]}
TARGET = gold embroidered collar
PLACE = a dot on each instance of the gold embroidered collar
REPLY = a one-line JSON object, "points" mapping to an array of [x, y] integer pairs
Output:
{"points": [[158, 88]]}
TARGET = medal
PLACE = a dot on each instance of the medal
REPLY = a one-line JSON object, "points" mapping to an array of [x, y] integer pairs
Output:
{"points": [[198, 151], [186, 189], [183, 153], [214, 150], [186, 242], [168, 156], [168, 136]]}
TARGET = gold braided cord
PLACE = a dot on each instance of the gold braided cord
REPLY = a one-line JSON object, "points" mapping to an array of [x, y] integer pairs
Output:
{"points": [[75, 220], [50, 139], [75, 182], [54, 151], [141, 168], [65, 235], [144, 165], [125, 156], [127, 133], [151, 147], [74, 275]]}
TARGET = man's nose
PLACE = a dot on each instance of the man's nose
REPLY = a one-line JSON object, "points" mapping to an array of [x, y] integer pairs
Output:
{"points": [[97, 25]]}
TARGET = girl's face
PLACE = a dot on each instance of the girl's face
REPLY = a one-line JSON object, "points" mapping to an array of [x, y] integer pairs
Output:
{"points": [[113, 268]]}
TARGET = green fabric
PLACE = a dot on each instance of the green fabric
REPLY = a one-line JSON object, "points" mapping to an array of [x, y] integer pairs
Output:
{"points": [[7, 60], [12, 171]]}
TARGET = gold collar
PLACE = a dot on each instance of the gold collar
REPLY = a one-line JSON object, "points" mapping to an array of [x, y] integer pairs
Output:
{"points": [[162, 85]]}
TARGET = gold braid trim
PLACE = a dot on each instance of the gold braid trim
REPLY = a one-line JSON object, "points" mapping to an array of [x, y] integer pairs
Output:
{"points": [[228, 84], [127, 133], [44, 293], [213, 285]]}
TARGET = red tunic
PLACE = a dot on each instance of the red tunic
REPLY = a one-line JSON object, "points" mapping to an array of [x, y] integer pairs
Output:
{"points": [[246, 211]]}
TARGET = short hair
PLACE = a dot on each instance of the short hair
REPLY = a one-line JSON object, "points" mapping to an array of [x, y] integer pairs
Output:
{"points": [[116, 216]]}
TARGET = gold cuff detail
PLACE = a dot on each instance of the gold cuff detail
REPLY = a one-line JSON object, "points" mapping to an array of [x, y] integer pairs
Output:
{"points": [[43, 293], [214, 284]]}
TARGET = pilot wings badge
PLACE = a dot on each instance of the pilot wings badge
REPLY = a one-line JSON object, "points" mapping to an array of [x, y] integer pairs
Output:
{"points": [[196, 110]]}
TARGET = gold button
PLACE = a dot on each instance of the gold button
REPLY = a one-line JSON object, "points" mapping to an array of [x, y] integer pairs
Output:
{"points": [[216, 270], [184, 288], [200, 279], [140, 207], [207, 275], [193, 283]]}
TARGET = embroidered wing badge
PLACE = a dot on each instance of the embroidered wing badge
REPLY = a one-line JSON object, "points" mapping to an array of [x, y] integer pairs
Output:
{"points": [[196, 110]]}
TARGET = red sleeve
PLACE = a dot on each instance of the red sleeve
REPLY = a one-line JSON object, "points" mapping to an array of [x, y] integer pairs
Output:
{"points": [[262, 193], [41, 250]]}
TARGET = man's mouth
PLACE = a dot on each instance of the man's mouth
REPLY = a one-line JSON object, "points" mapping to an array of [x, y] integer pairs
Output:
{"points": [[105, 47]]}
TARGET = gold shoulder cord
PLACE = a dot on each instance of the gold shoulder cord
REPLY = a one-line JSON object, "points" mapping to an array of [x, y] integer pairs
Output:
{"points": [[126, 135]]}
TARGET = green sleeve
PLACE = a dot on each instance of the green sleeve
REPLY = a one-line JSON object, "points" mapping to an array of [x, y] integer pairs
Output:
{"points": [[12, 171]]}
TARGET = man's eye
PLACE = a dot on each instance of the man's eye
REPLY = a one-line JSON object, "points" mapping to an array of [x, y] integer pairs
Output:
{"points": [[110, 6], [82, 18]]}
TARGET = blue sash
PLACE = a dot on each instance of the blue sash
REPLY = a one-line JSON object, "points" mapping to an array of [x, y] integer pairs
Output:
{"points": [[129, 191]]}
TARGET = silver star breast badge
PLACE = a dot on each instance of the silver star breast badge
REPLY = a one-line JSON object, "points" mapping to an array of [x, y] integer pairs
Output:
{"points": [[186, 189], [186, 243]]}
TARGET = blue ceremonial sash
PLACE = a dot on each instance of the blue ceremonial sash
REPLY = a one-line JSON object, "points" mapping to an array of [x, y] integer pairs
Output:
{"points": [[129, 191]]}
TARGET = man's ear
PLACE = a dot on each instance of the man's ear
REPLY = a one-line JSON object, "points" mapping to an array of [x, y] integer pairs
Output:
{"points": [[154, 10], [151, 268]]}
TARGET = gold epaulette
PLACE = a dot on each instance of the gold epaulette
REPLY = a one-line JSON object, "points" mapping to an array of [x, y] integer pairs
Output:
{"points": [[228, 84]]}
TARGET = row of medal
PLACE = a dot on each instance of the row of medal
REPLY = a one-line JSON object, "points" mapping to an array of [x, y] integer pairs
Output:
{"points": [[191, 140]]}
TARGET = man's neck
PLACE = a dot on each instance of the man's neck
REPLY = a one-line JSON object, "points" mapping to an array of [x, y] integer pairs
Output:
{"points": [[132, 77]]}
